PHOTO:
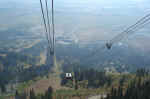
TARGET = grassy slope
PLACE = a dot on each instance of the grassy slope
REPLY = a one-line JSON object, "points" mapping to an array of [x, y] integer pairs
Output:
{"points": [[52, 80]]}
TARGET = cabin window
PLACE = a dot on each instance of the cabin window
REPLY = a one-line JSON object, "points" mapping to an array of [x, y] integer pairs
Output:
{"points": [[68, 75]]}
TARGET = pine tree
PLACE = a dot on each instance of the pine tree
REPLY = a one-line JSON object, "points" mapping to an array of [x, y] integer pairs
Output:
{"points": [[32, 94], [3, 88], [49, 93]]}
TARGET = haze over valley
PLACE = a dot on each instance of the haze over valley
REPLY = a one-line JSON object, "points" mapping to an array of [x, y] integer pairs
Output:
{"points": [[82, 27]]}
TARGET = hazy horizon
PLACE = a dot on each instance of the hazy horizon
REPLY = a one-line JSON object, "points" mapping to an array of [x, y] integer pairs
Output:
{"points": [[81, 20]]}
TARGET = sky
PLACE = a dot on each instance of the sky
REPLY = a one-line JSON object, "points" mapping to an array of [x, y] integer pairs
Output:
{"points": [[83, 20]]}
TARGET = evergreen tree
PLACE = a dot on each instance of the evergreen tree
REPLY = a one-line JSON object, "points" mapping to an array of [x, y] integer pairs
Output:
{"points": [[136, 90], [3, 88], [16, 94], [32, 94], [49, 93]]}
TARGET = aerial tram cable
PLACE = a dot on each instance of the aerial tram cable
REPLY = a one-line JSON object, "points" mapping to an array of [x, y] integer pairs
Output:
{"points": [[138, 25], [45, 26], [53, 26], [44, 20], [48, 22], [132, 29]]}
